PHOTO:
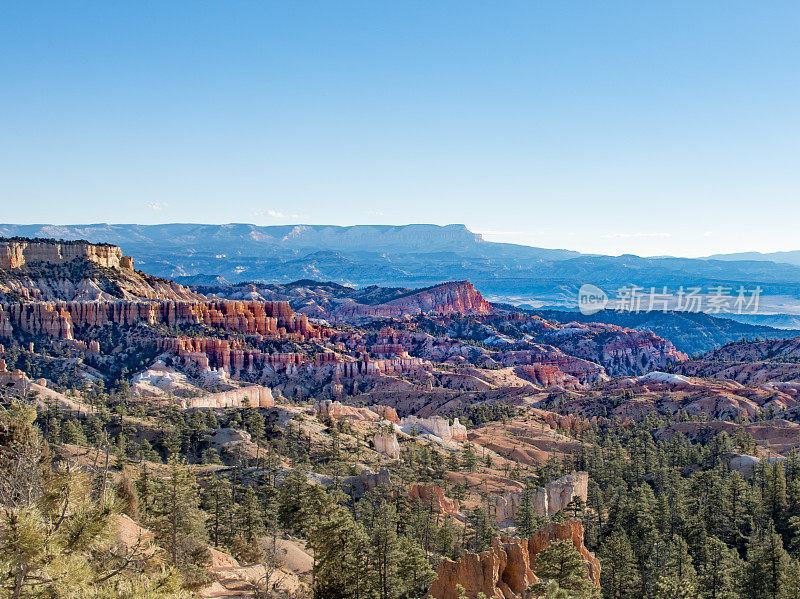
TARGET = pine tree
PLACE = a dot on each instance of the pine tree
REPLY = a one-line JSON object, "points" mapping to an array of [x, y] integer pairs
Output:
{"points": [[482, 529], [560, 562], [452, 462], [292, 499], [676, 578], [413, 569], [671, 587], [49, 518], [716, 578], [527, 520], [340, 549], [767, 567], [792, 588], [384, 553], [446, 539], [618, 576], [177, 518], [250, 515], [469, 460], [775, 500]]}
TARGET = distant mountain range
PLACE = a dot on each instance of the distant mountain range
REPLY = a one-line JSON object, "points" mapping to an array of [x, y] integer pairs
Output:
{"points": [[416, 255], [783, 257]]}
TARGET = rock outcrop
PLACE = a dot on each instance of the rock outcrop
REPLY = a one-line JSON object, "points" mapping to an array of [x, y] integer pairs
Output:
{"points": [[227, 440], [437, 426], [11, 379], [336, 409], [254, 396], [506, 570], [547, 500], [368, 481], [386, 443], [433, 496]]}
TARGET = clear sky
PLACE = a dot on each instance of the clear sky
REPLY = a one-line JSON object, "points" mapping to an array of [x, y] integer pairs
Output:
{"points": [[645, 127]]}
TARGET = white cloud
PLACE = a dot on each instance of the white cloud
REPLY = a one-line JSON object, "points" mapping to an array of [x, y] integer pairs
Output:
{"points": [[275, 214], [156, 205], [708, 233], [634, 235]]}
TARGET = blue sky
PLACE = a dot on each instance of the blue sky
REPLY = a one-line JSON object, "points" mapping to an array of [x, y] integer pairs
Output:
{"points": [[654, 128]]}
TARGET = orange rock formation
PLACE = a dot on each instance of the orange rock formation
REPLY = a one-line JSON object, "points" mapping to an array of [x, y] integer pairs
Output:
{"points": [[505, 570]]}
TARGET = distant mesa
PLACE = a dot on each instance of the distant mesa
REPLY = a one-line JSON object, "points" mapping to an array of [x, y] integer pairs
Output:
{"points": [[16, 252]]}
